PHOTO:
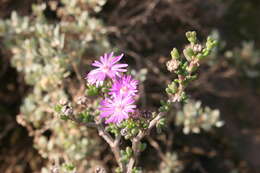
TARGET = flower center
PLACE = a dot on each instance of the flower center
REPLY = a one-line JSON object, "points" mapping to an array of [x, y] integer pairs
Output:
{"points": [[105, 68], [123, 90], [118, 108]]}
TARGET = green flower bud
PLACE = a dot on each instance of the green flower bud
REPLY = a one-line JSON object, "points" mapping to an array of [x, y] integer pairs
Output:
{"points": [[191, 36], [145, 125], [134, 131], [168, 90], [162, 122], [175, 54], [188, 53], [161, 109], [105, 90], [129, 152], [92, 91], [166, 108], [85, 117], [200, 56], [176, 80], [184, 97], [58, 108], [69, 167], [127, 136], [206, 52], [172, 88], [211, 43]]}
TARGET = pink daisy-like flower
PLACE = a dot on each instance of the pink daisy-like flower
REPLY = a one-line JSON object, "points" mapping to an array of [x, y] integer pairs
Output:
{"points": [[117, 109], [106, 67], [124, 85]]}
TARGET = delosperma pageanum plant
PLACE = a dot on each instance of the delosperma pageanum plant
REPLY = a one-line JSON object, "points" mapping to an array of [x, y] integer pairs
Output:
{"points": [[110, 103]]}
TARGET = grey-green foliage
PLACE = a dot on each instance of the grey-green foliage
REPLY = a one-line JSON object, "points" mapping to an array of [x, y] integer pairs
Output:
{"points": [[171, 163], [47, 52], [246, 58], [194, 117]]}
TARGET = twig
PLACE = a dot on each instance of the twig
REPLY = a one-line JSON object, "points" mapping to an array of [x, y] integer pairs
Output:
{"points": [[89, 124], [113, 143], [136, 141], [156, 146]]}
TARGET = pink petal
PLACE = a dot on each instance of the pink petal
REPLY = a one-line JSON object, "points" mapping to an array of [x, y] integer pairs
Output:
{"points": [[116, 59]]}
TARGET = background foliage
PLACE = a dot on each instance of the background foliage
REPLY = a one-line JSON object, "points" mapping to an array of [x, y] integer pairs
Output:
{"points": [[46, 49]]}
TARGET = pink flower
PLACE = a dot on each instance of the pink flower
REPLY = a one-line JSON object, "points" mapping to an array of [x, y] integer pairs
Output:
{"points": [[124, 85], [117, 109], [106, 67]]}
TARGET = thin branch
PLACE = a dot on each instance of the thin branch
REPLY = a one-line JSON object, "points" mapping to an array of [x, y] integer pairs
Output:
{"points": [[89, 124], [156, 146], [117, 140], [105, 135], [141, 134], [114, 144], [136, 141]]}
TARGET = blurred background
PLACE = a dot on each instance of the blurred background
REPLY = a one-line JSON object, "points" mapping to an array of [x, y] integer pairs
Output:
{"points": [[145, 31]]}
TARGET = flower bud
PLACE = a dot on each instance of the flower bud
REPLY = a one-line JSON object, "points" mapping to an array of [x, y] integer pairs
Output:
{"points": [[172, 65], [55, 170], [63, 101], [92, 91], [175, 54], [82, 100], [192, 37], [129, 151], [123, 132], [100, 170], [67, 110], [188, 53], [197, 48], [211, 43], [134, 131], [146, 114], [172, 88], [193, 65]]}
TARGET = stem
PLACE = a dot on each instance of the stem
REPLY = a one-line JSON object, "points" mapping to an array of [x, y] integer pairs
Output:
{"points": [[113, 143], [156, 146], [136, 141]]}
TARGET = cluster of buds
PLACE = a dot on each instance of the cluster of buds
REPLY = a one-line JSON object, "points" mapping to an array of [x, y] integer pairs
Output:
{"points": [[129, 128], [185, 67]]}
